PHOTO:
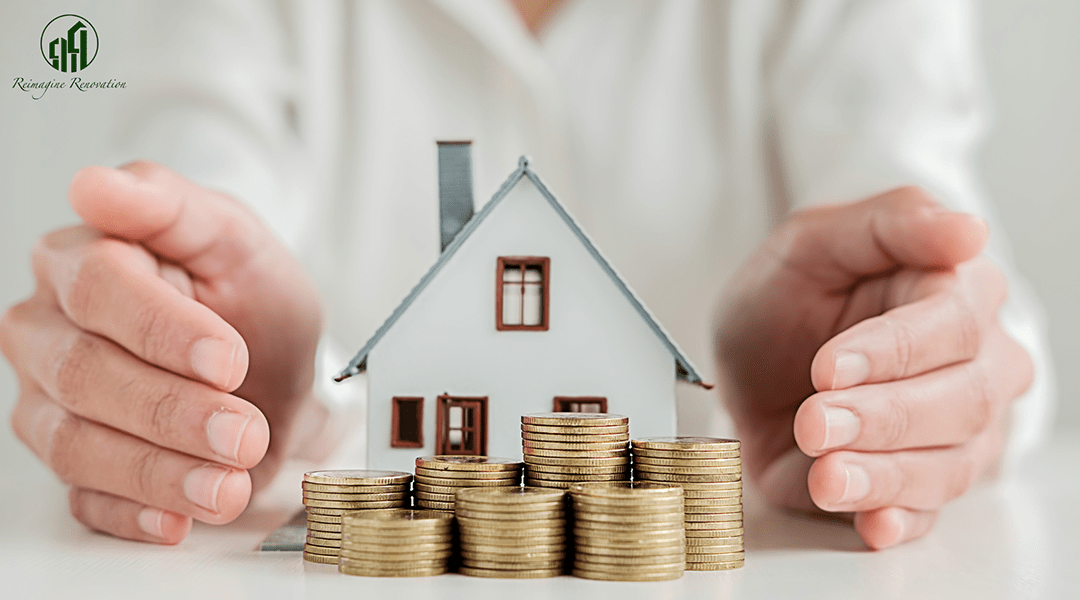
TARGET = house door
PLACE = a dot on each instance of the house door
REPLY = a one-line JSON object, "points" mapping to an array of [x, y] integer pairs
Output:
{"points": [[583, 404], [461, 426]]}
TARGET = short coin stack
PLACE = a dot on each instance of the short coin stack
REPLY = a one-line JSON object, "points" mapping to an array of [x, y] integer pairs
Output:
{"points": [[396, 543], [628, 531], [328, 495], [710, 473], [439, 478], [514, 533], [562, 449]]}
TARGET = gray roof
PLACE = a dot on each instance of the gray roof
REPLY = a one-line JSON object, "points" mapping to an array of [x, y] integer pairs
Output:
{"points": [[684, 369]]}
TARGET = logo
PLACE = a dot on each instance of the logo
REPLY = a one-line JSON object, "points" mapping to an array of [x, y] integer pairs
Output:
{"points": [[69, 43]]}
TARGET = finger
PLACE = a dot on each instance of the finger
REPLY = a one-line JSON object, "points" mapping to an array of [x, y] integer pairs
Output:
{"points": [[113, 288], [88, 455], [126, 519], [938, 325], [887, 527], [944, 407], [207, 233], [838, 245], [95, 379]]}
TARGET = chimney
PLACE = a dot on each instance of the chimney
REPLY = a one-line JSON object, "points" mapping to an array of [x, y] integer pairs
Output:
{"points": [[455, 189]]}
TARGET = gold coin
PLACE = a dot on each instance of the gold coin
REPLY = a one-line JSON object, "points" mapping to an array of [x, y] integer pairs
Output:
{"points": [[482, 475], [653, 519], [320, 558], [435, 505], [635, 505], [329, 527], [713, 533], [683, 443], [713, 525], [713, 517], [378, 538], [575, 429], [724, 557], [718, 540], [398, 488], [618, 461], [576, 438], [723, 566], [472, 539], [352, 554], [397, 518], [323, 542], [576, 419], [628, 561], [347, 506], [370, 572], [388, 549], [438, 489], [627, 576], [644, 468], [713, 549], [531, 468], [324, 550], [673, 478], [713, 510], [579, 477], [511, 566], [685, 454], [504, 509], [559, 485], [357, 477], [334, 520], [685, 462], [608, 528], [565, 446], [625, 489], [462, 483], [664, 549], [529, 524], [467, 463], [712, 494], [729, 501], [330, 535], [619, 453], [435, 497], [394, 562], [355, 497], [495, 552], [510, 574], [315, 511], [531, 515], [626, 540], [671, 565]]}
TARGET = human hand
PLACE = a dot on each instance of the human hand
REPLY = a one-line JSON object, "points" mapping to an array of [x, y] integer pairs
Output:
{"points": [[864, 364], [168, 336]]}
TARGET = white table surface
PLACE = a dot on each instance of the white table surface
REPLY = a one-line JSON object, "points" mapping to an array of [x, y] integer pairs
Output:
{"points": [[1019, 538]]}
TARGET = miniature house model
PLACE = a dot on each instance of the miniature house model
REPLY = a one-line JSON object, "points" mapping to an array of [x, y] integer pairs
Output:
{"points": [[520, 314]]}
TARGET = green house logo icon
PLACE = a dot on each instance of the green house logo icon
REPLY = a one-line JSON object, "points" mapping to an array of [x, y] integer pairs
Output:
{"points": [[69, 43]]}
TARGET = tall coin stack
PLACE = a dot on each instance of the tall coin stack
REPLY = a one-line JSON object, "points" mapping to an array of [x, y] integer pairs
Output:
{"points": [[628, 531], [439, 478], [328, 495], [396, 543], [710, 473], [562, 449], [514, 533]]}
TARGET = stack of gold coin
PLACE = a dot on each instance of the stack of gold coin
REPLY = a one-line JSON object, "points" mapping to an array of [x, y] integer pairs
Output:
{"points": [[628, 531], [328, 495], [514, 533], [438, 478], [562, 449], [710, 473], [396, 543]]}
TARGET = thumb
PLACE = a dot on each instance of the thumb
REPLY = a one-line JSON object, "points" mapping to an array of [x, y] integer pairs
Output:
{"points": [[838, 245], [206, 232]]}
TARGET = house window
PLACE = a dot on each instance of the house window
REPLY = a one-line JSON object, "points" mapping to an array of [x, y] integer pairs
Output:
{"points": [[522, 293], [461, 426], [407, 423], [582, 404]]}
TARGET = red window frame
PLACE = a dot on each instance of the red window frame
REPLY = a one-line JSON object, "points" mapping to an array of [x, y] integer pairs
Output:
{"points": [[479, 429], [544, 263], [563, 403], [395, 422]]}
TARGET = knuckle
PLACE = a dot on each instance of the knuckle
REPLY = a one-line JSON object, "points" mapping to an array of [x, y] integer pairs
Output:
{"points": [[152, 331], [981, 401], [895, 421], [83, 291], [75, 368], [144, 467], [969, 330], [161, 410], [904, 340], [63, 452]]}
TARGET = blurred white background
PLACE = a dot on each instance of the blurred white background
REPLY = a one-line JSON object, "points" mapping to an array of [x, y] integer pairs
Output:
{"points": [[1029, 163]]}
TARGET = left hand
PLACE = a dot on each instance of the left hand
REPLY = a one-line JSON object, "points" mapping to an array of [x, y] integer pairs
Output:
{"points": [[864, 363]]}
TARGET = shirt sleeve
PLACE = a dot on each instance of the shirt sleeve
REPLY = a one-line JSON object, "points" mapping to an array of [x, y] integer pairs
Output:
{"points": [[867, 95]]}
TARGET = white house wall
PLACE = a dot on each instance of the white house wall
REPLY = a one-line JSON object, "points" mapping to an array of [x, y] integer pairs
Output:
{"points": [[446, 342]]}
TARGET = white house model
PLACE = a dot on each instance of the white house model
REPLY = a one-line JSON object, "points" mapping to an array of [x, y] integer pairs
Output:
{"points": [[520, 314]]}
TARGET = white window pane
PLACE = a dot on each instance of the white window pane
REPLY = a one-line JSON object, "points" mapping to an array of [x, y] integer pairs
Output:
{"points": [[455, 417], [590, 407], [455, 439], [511, 309], [534, 274], [512, 274], [533, 305]]}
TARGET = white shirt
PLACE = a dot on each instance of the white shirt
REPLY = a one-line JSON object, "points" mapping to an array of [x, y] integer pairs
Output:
{"points": [[677, 132]]}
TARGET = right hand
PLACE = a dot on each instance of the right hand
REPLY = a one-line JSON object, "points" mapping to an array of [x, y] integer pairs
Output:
{"points": [[167, 338]]}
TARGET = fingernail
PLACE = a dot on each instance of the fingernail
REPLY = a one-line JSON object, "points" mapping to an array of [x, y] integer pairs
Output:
{"points": [[225, 430], [857, 485], [201, 486], [212, 360], [849, 368], [841, 427], [150, 521]]}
